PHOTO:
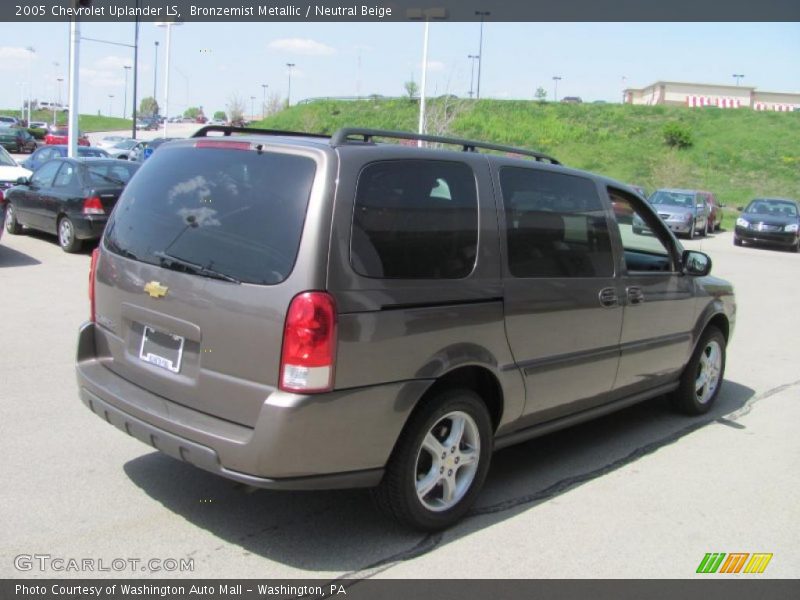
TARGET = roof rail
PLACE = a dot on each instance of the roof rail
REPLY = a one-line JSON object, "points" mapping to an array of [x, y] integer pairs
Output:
{"points": [[227, 130], [342, 137]]}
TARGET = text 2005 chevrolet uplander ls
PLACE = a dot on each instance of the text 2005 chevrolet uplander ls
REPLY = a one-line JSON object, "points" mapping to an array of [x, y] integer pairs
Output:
{"points": [[294, 311]]}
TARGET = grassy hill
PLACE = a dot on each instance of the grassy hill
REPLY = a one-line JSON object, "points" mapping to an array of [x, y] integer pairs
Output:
{"points": [[86, 123], [737, 154]]}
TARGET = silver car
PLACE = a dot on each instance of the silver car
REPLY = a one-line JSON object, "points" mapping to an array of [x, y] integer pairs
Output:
{"points": [[684, 212]]}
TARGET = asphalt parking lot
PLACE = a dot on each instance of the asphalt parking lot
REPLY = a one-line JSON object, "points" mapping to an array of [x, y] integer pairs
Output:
{"points": [[641, 493]]}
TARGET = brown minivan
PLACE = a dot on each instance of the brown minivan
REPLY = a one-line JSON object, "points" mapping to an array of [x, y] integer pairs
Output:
{"points": [[297, 311]]}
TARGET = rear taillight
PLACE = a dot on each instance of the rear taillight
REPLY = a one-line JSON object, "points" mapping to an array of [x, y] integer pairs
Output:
{"points": [[93, 206], [92, 278], [309, 344]]}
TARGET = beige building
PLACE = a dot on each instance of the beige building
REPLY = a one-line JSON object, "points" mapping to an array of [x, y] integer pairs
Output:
{"points": [[703, 94]]}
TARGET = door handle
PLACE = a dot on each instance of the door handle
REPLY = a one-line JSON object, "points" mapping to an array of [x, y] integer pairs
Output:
{"points": [[608, 297], [635, 295]]}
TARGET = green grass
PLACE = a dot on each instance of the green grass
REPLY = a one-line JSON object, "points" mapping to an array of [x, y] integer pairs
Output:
{"points": [[86, 123], [737, 154]]}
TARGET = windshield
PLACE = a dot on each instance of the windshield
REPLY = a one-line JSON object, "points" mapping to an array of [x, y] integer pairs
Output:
{"points": [[125, 144], [5, 159], [237, 213], [662, 198], [115, 173], [774, 208], [84, 151]]}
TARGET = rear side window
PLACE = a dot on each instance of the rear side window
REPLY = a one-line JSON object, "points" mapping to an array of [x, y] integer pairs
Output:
{"points": [[415, 219], [239, 213], [555, 225], [110, 174]]}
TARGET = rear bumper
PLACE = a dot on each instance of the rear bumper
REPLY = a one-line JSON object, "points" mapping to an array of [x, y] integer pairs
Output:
{"points": [[89, 227], [340, 439]]}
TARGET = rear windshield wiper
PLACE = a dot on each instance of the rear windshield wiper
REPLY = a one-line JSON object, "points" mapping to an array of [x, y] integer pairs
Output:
{"points": [[107, 178], [179, 264]]}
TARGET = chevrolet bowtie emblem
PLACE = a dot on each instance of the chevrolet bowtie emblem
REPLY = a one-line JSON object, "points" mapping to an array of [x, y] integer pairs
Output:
{"points": [[155, 289]]}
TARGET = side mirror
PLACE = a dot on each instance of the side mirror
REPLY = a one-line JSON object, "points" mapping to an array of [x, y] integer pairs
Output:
{"points": [[23, 181], [696, 263]]}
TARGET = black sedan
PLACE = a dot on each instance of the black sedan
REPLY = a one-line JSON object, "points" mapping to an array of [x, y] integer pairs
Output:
{"points": [[45, 153], [17, 139], [770, 221], [71, 198]]}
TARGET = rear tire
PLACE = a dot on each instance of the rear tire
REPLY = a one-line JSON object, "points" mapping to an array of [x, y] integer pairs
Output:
{"points": [[702, 378], [66, 236], [440, 462], [11, 224]]}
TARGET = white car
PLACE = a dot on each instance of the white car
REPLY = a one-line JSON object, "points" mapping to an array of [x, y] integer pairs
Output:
{"points": [[10, 171], [111, 140]]}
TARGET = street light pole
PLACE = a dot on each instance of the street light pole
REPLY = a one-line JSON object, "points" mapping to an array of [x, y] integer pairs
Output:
{"points": [[110, 98], [482, 14], [155, 73], [737, 77], [252, 107], [472, 58], [169, 25], [289, 94], [32, 51], [125, 97], [264, 87], [556, 79], [72, 115], [422, 91]]}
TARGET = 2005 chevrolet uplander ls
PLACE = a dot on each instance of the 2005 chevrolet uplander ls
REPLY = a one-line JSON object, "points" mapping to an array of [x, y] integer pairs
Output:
{"points": [[297, 311]]}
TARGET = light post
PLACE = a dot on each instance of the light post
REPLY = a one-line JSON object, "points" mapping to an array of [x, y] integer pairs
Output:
{"points": [[125, 97], [482, 14], [155, 73], [264, 87], [110, 98], [472, 58], [169, 25], [737, 77], [289, 94], [32, 51], [624, 97], [58, 80], [252, 107], [556, 79], [426, 15]]}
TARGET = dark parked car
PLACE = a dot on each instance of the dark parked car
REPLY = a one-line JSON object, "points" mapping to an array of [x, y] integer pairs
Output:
{"points": [[302, 311], [769, 221], [684, 211], [147, 123], [71, 198], [57, 136], [45, 153], [17, 139]]}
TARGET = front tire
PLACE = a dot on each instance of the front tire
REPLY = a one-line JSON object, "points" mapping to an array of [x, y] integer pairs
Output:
{"points": [[11, 224], [67, 238], [692, 231], [702, 378], [737, 241], [440, 462]]}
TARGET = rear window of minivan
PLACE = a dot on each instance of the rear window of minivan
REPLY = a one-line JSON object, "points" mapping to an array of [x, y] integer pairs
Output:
{"points": [[236, 212]]}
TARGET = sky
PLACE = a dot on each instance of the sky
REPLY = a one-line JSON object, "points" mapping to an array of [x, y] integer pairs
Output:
{"points": [[213, 63]]}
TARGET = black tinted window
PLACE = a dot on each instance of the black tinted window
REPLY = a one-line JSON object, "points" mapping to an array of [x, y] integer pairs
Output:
{"points": [[236, 212], [415, 219], [556, 225], [109, 173]]}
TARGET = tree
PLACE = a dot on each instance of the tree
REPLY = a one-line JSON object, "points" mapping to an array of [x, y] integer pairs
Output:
{"points": [[148, 107], [236, 108], [541, 94], [220, 116], [274, 104], [411, 88], [192, 112]]}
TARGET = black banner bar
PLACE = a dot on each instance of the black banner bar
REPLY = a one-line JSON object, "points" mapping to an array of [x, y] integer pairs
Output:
{"points": [[401, 10], [711, 587]]}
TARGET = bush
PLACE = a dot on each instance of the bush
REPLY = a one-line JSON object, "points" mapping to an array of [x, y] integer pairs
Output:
{"points": [[37, 133], [677, 135]]}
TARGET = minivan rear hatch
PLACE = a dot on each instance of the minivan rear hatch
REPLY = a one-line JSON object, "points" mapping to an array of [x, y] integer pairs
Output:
{"points": [[189, 301]]}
